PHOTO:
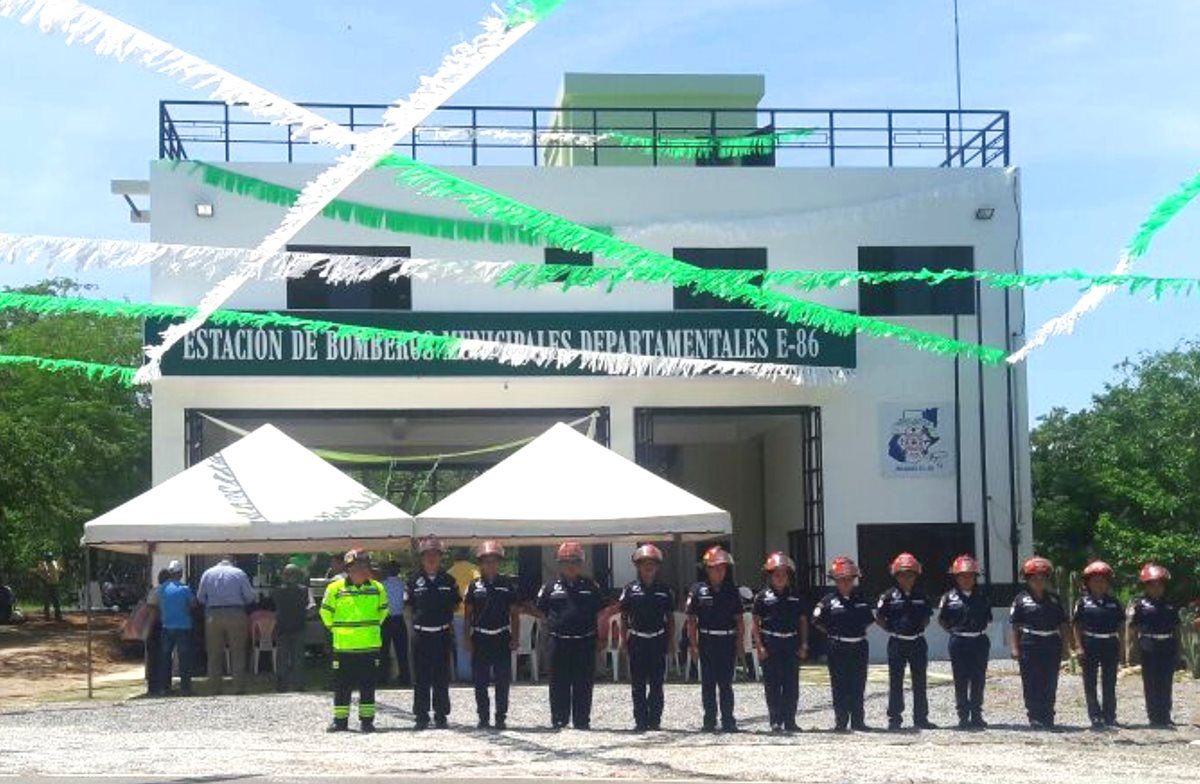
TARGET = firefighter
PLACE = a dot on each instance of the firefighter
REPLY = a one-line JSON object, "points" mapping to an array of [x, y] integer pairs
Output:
{"points": [[494, 623], [647, 612], [571, 604], [1039, 626], [1155, 622], [715, 629], [904, 613], [965, 613], [781, 637], [433, 595], [844, 616], [1097, 642], [353, 609]]}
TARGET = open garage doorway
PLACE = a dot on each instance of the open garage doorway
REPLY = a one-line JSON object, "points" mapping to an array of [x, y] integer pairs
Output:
{"points": [[761, 464]]}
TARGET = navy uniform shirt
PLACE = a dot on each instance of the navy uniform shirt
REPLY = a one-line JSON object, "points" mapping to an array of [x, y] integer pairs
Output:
{"points": [[901, 613], [489, 604], [1153, 616], [960, 612], [780, 612], [1030, 614], [571, 607], [715, 610], [1098, 616], [844, 616], [647, 607], [433, 599]]}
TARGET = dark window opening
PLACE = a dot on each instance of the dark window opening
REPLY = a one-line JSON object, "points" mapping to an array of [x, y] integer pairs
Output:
{"points": [[717, 258], [312, 292], [916, 298], [934, 544], [571, 257]]}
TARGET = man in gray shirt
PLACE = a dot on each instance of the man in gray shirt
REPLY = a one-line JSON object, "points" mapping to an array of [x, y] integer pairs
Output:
{"points": [[225, 591]]}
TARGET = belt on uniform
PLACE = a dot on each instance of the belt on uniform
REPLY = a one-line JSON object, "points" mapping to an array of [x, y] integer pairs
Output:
{"points": [[647, 635], [719, 632], [1158, 636], [1039, 632], [491, 632], [908, 637], [1101, 635], [781, 635], [572, 636], [847, 639], [966, 634], [432, 629], [227, 607]]}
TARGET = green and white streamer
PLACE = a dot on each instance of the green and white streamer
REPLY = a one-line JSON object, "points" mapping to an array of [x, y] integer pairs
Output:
{"points": [[428, 345], [465, 61], [1162, 214], [93, 370]]}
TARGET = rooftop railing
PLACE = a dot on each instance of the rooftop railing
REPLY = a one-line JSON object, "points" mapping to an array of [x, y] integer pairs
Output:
{"points": [[540, 136]]}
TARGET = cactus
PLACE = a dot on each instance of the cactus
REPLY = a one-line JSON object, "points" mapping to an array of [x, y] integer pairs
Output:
{"points": [[1189, 642], [1067, 585]]}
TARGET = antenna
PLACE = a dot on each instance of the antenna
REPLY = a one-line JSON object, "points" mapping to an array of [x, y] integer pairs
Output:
{"points": [[958, 74]]}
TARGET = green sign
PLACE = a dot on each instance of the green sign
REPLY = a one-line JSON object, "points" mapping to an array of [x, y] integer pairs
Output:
{"points": [[284, 351]]}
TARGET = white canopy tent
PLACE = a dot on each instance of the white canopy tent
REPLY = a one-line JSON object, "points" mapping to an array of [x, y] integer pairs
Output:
{"points": [[565, 485], [264, 493]]}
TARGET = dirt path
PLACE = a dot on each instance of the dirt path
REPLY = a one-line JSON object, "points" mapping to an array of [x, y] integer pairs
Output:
{"points": [[44, 661]]}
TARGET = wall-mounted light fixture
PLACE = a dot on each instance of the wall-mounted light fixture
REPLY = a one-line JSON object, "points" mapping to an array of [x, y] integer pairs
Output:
{"points": [[985, 213], [204, 209]]}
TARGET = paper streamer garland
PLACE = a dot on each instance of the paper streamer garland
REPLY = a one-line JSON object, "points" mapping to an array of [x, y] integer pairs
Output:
{"points": [[723, 147], [465, 61], [1159, 217], [428, 345], [93, 370]]}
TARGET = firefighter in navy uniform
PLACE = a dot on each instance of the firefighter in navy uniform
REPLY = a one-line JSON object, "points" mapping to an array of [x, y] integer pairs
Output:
{"points": [[433, 596], [781, 636], [965, 612], [494, 625], [647, 609], [1155, 622], [715, 629], [904, 614], [844, 615], [1039, 624], [353, 609], [570, 605], [1096, 636]]}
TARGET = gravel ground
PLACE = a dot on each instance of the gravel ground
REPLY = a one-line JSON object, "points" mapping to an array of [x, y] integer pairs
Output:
{"points": [[280, 736]]}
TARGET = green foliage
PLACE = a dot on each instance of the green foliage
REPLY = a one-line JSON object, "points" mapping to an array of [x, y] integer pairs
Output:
{"points": [[70, 448], [1119, 480]]}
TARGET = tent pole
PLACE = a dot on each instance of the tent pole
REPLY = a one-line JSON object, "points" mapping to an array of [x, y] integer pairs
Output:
{"points": [[87, 607]]}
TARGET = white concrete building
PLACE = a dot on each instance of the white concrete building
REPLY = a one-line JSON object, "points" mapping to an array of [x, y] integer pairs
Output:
{"points": [[812, 470]]}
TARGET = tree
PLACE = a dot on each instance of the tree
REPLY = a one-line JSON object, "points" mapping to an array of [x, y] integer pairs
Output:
{"points": [[70, 448], [1121, 479]]}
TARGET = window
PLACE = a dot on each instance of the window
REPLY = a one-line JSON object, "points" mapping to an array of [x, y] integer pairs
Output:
{"points": [[716, 258], [934, 544], [574, 258], [311, 292], [916, 298]]}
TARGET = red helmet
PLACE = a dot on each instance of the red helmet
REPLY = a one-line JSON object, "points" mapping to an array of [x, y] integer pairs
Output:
{"points": [[489, 549], [778, 560], [843, 566], [1098, 569], [1152, 572], [717, 556], [430, 544], [906, 562], [1037, 565], [964, 564], [647, 552], [570, 551]]}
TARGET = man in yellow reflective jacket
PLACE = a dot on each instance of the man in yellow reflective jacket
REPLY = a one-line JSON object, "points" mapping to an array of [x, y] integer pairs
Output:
{"points": [[353, 610]]}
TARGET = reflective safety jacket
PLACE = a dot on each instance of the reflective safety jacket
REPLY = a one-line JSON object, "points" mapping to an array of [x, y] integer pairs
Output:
{"points": [[354, 613]]}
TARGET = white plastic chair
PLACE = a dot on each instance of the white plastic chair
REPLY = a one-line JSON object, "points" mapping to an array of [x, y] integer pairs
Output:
{"points": [[262, 640], [613, 650], [527, 646], [748, 646]]}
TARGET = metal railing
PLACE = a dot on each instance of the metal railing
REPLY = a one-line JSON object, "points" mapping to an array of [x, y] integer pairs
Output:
{"points": [[539, 136]]}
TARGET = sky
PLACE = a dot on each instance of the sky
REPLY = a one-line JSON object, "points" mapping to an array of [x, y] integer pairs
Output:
{"points": [[1104, 97]]}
